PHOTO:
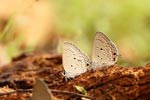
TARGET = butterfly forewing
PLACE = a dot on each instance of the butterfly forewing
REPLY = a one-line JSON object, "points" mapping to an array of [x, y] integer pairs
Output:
{"points": [[105, 52], [74, 61]]}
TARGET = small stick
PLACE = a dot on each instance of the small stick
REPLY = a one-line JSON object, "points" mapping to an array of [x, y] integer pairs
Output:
{"points": [[54, 91], [72, 93]]}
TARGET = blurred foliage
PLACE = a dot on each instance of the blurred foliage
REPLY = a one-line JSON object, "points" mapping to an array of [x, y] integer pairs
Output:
{"points": [[127, 23], [10, 42], [6, 33], [6, 39]]}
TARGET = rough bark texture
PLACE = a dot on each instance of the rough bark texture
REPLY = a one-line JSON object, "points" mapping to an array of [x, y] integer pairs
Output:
{"points": [[111, 83]]}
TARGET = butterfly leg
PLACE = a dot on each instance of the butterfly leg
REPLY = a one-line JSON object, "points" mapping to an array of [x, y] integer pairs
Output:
{"points": [[65, 74]]}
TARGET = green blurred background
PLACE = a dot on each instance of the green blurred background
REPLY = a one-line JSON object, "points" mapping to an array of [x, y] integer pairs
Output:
{"points": [[127, 23]]}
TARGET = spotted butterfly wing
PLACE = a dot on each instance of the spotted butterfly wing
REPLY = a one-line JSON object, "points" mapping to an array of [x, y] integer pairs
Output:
{"points": [[105, 52], [74, 61]]}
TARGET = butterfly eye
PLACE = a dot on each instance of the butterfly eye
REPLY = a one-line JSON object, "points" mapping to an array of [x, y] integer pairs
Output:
{"points": [[97, 55], [74, 58], [101, 48]]}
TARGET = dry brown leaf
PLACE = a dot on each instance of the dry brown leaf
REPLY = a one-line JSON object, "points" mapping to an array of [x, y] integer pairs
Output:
{"points": [[42, 92]]}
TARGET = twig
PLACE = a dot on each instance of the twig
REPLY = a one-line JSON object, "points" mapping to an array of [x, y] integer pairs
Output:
{"points": [[54, 91], [7, 93], [72, 93], [15, 91]]}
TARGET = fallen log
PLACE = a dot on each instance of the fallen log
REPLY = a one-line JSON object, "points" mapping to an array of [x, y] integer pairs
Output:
{"points": [[108, 83]]}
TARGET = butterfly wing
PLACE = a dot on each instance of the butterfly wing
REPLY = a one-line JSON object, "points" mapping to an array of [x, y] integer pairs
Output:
{"points": [[105, 52], [74, 61]]}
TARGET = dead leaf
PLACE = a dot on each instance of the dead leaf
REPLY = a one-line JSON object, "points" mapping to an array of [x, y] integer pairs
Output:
{"points": [[81, 89], [42, 92]]}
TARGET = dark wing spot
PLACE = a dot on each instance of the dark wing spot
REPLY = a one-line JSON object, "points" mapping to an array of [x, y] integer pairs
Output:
{"points": [[71, 65], [87, 64], [74, 58], [101, 58], [97, 55], [101, 48], [114, 53]]}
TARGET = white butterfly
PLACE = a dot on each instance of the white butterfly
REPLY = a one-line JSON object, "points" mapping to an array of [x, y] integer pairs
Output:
{"points": [[105, 52], [75, 62]]}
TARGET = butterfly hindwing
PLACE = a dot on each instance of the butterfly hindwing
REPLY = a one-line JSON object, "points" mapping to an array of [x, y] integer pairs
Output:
{"points": [[105, 52]]}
